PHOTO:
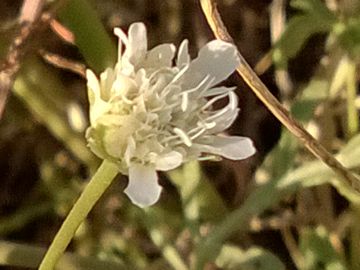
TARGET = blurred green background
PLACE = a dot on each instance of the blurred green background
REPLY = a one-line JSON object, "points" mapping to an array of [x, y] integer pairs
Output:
{"points": [[280, 209]]}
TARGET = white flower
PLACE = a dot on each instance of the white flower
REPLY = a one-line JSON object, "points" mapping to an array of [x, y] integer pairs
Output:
{"points": [[149, 114]]}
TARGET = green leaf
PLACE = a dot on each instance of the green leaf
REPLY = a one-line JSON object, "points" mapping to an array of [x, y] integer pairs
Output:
{"points": [[315, 18], [160, 224], [232, 257], [310, 174], [349, 36], [281, 158], [262, 198], [315, 173], [90, 35], [200, 199], [318, 252], [315, 7]]}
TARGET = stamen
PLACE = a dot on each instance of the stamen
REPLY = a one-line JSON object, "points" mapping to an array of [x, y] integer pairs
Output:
{"points": [[122, 39], [218, 91], [231, 107], [194, 130], [209, 125], [168, 89], [160, 71], [198, 134], [169, 138], [184, 101], [183, 136], [206, 88], [232, 100], [179, 74], [205, 81], [218, 114], [211, 158], [126, 100], [213, 100]]}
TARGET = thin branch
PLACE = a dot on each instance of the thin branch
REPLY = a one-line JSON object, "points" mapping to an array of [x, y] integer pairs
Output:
{"points": [[276, 222], [273, 105], [62, 32], [29, 15], [30, 23], [292, 247], [30, 11], [264, 63], [61, 62]]}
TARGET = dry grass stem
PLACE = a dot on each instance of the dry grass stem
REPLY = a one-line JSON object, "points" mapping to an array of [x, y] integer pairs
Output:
{"points": [[273, 105]]}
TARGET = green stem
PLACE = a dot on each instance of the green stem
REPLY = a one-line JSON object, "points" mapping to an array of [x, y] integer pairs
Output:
{"points": [[355, 237], [91, 194], [353, 120], [25, 256], [23, 216]]}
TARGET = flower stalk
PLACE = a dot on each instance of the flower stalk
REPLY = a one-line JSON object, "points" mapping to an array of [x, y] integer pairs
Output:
{"points": [[91, 194], [352, 114]]}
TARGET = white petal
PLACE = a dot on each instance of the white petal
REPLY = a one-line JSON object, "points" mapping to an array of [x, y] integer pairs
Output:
{"points": [[130, 150], [183, 57], [107, 79], [100, 108], [122, 85], [234, 147], [140, 78], [93, 86], [143, 188], [217, 58], [160, 56], [169, 161], [137, 46]]}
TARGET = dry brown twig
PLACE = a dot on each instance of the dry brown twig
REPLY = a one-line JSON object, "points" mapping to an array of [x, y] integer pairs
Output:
{"points": [[31, 22], [57, 60], [273, 105], [63, 63], [28, 18]]}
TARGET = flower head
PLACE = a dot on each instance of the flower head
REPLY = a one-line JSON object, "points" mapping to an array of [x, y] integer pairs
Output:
{"points": [[149, 114]]}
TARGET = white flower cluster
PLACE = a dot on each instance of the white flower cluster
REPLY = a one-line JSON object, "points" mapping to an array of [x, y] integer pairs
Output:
{"points": [[153, 112]]}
